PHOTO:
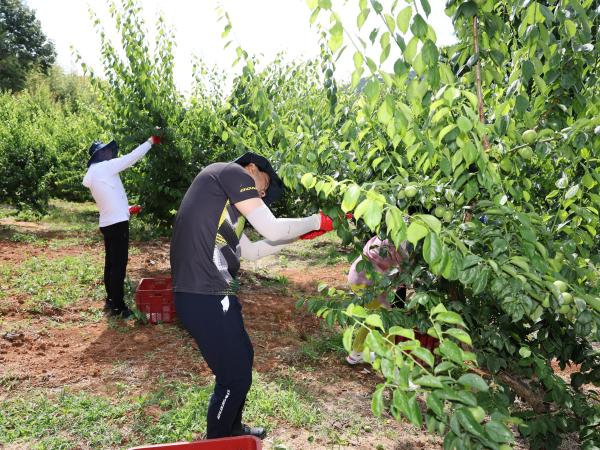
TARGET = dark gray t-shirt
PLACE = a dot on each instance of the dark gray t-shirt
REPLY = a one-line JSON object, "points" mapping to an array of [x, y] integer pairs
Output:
{"points": [[205, 256]]}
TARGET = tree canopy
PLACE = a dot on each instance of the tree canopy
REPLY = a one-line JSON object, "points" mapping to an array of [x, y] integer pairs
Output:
{"points": [[23, 45]]}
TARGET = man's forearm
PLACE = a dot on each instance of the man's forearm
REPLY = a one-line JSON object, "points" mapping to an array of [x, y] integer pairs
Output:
{"points": [[274, 229], [259, 249]]}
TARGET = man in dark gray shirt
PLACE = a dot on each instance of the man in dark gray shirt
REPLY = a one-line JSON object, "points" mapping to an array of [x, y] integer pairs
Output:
{"points": [[206, 247]]}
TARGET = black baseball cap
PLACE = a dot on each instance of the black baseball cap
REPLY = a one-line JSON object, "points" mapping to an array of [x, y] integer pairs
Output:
{"points": [[275, 189]]}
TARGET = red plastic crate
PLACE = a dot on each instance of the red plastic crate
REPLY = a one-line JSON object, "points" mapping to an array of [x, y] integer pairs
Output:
{"points": [[154, 298], [230, 443]]}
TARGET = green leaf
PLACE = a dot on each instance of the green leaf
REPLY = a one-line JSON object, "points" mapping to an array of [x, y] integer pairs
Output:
{"points": [[470, 153], [411, 50], [403, 19], [308, 180], [312, 4], [435, 404], [358, 60], [432, 248], [362, 17], [374, 320], [419, 26], [393, 218], [450, 317], [404, 332], [480, 281], [325, 4], [430, 53], [386, 111], [372, 89], [416, 232], [400, 402], [376, 342], [571, 27], [377, 400], [336, 37], [351, 197], [429, 381], [439, 308], [460, 334], [371, 212], [498, 432], [432, 222], [525, 352], [588, 181], [474, 381], [424, 355], [347, 339], [414, 411], [451, 351], [464, 124], [528, 70], [466, 419]]}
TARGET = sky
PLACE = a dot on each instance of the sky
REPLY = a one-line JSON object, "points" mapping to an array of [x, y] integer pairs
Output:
{"points": [[262, 27]]}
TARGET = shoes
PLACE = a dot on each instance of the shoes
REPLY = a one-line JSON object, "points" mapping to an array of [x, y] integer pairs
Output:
{"points": [[356, 358], [121, 313], [246, 430], [107, 305]]}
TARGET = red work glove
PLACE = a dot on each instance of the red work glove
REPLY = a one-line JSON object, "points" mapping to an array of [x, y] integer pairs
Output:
{"points": [[326, 223], [155, 140], [311, 234], [135, 209]]}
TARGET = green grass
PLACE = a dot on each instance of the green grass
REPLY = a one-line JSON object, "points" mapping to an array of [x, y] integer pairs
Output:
{"points": [[69, 223], [57, 282], [72, 218], [12, 234], [325, 250], [63, 422], [171, 412], [317, 346]]}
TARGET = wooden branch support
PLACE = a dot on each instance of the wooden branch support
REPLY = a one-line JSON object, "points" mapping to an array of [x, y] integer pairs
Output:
{"points": [[486, 143], [530, 395]]}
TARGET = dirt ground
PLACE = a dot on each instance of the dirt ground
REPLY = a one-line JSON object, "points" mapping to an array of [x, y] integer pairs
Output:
{"points": [[98, 356], [73, 353]]}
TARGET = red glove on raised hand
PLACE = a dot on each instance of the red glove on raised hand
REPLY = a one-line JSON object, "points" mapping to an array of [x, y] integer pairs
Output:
{"points": [[135, 209], [155, 140]]}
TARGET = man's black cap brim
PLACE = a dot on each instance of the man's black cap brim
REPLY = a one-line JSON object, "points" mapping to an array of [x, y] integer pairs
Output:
{"points": [[275, 190]]}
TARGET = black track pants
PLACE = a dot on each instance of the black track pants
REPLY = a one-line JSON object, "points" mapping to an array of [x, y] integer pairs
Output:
{"points": [[116, 246], [227, 349]]}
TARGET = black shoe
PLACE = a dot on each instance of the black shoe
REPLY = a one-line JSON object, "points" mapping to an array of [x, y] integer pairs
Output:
{"points": [[246, 430], [108, 306], [121, 313]]}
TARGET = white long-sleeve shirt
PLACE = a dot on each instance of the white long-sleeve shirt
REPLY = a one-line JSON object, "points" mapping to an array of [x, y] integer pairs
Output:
{"points": [[103, 180], [259, 249]]}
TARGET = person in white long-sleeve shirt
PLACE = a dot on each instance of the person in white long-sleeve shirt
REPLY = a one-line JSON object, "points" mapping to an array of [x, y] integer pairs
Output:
{"points": [[102, 178]]}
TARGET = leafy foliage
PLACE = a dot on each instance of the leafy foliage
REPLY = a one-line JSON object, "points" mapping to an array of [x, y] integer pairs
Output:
{"points": [[484, 158], [23, 45], [45, 131], [139, 94]]}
